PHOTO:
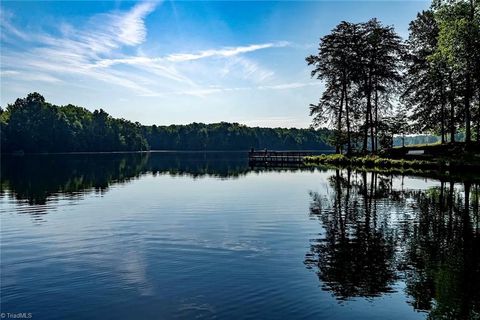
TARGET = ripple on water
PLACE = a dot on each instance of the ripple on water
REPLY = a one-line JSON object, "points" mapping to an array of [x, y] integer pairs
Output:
{"points": [[260, 246]]}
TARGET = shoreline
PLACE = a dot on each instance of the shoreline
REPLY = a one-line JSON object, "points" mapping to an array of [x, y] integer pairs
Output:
{"points": [[439, 168], [154, 151]]}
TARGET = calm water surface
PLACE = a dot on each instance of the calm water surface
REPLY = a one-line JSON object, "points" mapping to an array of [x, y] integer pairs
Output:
{"points": [[182, 235]]}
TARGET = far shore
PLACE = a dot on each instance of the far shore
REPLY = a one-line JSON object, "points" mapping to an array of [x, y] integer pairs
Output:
{"points": [[320, 151]]}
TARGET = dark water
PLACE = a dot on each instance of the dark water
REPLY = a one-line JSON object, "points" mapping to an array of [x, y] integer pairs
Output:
{"points": [[168, 235]]}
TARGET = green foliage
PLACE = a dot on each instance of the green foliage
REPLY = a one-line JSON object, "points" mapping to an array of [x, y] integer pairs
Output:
{"points": [[432, 80], [360, 65], [458, 31], [233, 136], [33, 125], [428, 82], [370, 161]]}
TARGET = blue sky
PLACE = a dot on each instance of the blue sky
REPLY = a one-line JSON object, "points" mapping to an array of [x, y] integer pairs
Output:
{"points": [[178, 61]]}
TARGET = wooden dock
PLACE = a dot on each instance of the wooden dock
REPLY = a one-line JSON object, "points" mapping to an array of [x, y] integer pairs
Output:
{"points": [[275, 158]]}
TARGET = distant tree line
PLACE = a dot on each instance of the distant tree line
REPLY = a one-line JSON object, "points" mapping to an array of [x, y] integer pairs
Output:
{"points": [[378, 86], [416, 140], [234, 136], [33, 125]]}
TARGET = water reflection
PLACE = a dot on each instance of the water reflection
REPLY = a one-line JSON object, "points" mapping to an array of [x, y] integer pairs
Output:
{"points": [[39, 179], [377, 234]]}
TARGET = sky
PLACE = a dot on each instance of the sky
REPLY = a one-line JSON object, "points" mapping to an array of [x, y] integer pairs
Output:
{"points": [[178, 62]]}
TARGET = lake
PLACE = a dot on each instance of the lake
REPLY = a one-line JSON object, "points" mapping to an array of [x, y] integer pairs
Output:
{"points": [[202, 235]]}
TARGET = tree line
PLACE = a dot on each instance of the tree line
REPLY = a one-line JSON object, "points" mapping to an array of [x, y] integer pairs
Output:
{"points": [[378, 86], [33, 125], [234, 136]]}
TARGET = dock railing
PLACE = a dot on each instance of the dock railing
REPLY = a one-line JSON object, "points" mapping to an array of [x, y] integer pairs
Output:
{"points": [[267, 156]]}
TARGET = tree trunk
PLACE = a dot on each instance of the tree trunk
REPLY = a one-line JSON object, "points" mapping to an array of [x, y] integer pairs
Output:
{"points": [[478, 116], [442, 201], [451, 98], [339, 124], [376, 117], [478, 128], [478, 109], [468, 82], [442, 90], [365, 130], [372, 136], [468, 90], [478, 99], [368, 115], [347, 113]]}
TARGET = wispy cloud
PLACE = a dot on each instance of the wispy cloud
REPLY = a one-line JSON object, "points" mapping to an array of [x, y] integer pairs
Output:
{"points": [[247, 69], [22, 76], [97, 50], [224, 52], [72, 53], [7, 28], [207, 91], [106, 32], [150, 65], [8, 73], [131, 26], [168, 66], [291, 85]]}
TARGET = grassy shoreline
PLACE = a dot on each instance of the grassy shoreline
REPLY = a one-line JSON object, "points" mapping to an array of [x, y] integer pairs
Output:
{"points": [[443, 169], [372, 161]]}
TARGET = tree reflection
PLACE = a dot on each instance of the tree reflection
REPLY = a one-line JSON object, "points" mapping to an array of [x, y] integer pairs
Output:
{"points": [[376, 235], [443, 252], [355, 258], [39, 179]]}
